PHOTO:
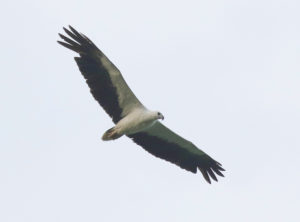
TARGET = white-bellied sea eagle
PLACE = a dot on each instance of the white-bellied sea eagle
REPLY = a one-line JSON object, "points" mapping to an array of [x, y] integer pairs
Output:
{"points": [[131, 118]]}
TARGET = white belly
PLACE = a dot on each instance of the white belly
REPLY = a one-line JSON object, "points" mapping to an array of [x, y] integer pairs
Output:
{"points": [[135, 122]]}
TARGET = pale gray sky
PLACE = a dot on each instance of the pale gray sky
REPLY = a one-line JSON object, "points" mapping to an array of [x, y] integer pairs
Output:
{"points": [[225, 74]]}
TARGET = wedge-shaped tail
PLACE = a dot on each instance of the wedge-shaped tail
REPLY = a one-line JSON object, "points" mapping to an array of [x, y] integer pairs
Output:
{"points": [[111, 134]]}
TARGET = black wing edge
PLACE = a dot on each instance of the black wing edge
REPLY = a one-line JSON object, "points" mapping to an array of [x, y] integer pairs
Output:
{"points": [[95, 73], [177, 155], [78, 43]]}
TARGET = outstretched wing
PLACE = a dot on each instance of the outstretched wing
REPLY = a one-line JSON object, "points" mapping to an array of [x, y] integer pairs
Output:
{"points": [[103, 78], [164, 143]]}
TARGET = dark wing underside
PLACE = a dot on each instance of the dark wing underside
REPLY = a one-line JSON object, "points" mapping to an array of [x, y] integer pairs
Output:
{"points": [[101, 86], [103, 78], [163, 143]]}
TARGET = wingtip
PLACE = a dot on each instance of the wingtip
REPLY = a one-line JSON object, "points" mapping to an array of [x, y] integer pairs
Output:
{"points": [[73, 30], [60, 35], [219, 173], [212, 175], [220, 168], [65, 29], [205, 175]]}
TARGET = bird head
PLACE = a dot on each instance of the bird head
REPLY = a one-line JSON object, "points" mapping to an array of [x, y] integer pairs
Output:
{"points": [[159, 116]]}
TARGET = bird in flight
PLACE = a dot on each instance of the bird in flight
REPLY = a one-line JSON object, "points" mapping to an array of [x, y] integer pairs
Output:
{"points": [[130, 116]]}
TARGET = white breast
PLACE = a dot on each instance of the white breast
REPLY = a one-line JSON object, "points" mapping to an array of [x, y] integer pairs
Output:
{"points": [[136, 121]]}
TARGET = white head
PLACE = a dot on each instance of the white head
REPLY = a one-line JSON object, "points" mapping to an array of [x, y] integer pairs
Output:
{"points": [[158, 115]]}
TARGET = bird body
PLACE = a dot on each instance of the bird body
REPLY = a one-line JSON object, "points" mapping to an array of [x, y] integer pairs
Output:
{"points": [[130, 116], [138, 120]]}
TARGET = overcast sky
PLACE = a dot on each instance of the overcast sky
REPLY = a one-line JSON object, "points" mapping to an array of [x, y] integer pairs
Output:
{"points": [[225, 74]]}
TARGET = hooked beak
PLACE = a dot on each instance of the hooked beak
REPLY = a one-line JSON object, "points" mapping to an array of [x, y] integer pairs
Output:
{"points": [[162, 117]]}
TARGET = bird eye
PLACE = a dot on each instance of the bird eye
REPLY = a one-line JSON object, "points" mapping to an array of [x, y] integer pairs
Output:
{"points": [[159, 114]]}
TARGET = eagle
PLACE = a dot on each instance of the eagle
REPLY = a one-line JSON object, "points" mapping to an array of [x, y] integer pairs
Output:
{"points": [[130, 116]]}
